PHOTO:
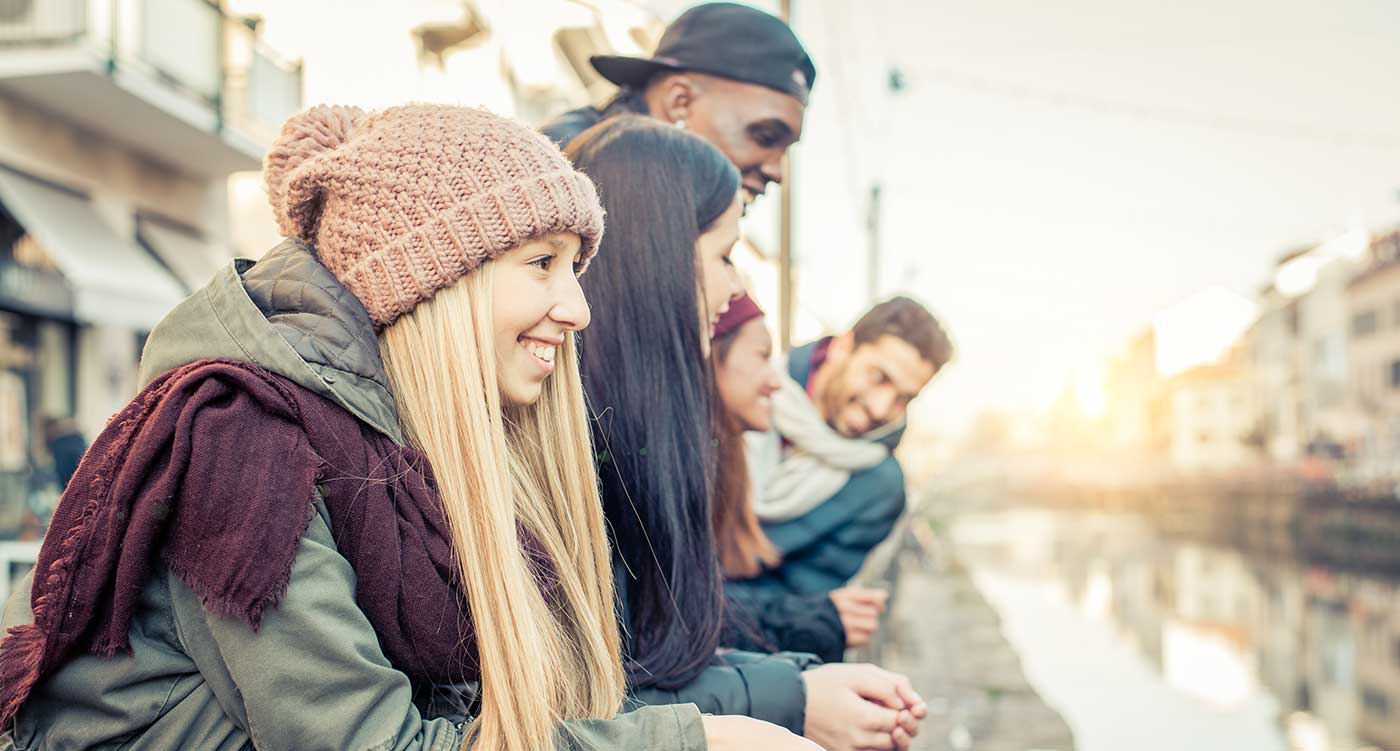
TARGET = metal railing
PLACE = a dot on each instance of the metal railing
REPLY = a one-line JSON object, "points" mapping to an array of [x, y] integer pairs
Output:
{"points": [[261, 89], [182, 41], [31, 22], [192, 46]]}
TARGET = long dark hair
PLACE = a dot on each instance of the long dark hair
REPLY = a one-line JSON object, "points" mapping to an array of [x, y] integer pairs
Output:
{"points": [[650, 387]]}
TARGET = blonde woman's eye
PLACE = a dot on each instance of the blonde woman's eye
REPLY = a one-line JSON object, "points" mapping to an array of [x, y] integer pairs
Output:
{"points": [[542, 263]]}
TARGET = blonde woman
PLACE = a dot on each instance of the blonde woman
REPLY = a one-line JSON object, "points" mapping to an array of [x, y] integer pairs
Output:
{"points": [[354, 505]]}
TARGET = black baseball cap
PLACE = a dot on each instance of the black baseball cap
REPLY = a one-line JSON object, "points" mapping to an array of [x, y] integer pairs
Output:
{"points": [[726, 40]]}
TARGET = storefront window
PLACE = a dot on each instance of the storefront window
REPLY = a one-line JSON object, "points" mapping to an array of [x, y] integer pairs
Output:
{"points": [[37, 379], [16, 412]]}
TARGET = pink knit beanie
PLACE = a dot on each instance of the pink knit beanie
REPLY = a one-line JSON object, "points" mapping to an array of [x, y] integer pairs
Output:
{"points": [[402, 203]]}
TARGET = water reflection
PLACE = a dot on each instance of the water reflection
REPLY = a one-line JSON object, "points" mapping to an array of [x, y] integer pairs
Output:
{"points": [[1242, 654]]}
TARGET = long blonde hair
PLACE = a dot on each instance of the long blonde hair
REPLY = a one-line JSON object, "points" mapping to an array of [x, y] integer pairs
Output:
{"points": [[500, 468]]}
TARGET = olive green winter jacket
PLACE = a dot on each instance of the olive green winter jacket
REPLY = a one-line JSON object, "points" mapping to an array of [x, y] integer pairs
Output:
{"points": [[313, 676]]}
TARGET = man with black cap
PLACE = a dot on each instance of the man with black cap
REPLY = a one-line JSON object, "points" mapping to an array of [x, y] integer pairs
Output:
{"points": [[740, 79], [733, 75]]}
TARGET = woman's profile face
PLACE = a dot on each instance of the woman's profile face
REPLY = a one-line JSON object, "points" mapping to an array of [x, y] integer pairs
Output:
{"points": [[718, 279], [536, 303], [746, 378]]}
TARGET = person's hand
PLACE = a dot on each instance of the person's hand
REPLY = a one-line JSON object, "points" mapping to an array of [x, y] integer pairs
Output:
{"points": [[860, 611], [736, 733], [861, 708]]}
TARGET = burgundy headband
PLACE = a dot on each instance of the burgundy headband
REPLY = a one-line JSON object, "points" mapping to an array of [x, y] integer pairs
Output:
{"points": [[740, 312]]}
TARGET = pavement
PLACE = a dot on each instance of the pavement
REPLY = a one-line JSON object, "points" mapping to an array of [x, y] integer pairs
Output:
{"points": [[942, 633]]}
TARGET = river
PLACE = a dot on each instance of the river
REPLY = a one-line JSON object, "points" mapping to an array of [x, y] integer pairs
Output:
{"points": [[1149, 644]]}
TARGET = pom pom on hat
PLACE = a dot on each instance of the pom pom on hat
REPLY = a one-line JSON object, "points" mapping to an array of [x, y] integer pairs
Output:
{"points": [[305, 136]]}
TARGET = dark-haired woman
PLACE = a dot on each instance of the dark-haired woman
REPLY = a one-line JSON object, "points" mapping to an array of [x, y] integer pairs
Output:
{"points": [[656, 292], [823, 623]]}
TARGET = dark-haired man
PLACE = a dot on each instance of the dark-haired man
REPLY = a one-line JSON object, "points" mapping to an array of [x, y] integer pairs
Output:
{"points": [[826, 485], [733, 75]]}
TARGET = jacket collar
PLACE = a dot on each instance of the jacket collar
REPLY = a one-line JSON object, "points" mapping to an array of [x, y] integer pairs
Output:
{"points": [[288, 314]]}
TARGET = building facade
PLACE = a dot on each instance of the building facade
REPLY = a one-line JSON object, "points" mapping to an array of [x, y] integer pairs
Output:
{"points": [[1327, 419], [1272, 349], [1373, 350], [1133, 398], [120, 123], [1211, 414]]}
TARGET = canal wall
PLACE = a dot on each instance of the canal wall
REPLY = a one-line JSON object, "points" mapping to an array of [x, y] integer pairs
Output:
{"points": [[943, 634]]}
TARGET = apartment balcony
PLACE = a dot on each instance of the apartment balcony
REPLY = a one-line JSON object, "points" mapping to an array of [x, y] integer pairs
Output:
{"points": [[179, 81]]}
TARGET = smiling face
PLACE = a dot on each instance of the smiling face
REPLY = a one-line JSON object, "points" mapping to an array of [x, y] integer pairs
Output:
{"points": [[718, 280], [753, 125], [536, 302], [746, 378], [869, 386]]}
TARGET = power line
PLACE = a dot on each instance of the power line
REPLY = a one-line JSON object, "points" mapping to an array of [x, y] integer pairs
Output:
{"points": [[1157, 113]]}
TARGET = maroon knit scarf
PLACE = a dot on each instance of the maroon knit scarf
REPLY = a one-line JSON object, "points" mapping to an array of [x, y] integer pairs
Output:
{"points": [[214, 466]]}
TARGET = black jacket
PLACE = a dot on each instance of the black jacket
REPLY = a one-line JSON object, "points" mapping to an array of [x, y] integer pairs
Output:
{"points": [[763, 686], [67, 450], [566, 127], [765, 620]]}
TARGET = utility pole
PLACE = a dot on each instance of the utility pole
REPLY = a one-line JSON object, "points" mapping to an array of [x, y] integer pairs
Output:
{"points": [[872, 231], [785, 270], [894, 86]]}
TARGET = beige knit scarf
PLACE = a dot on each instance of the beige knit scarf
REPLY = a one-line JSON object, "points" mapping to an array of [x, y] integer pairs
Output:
{"points": [[789, 481]]}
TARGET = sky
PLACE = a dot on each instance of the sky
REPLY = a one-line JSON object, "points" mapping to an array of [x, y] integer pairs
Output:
{"points": [[1053, 174], [1056, 173]]}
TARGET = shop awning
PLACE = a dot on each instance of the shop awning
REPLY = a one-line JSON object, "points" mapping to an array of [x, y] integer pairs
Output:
{"points": [[193, 259], [114, 282]]}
